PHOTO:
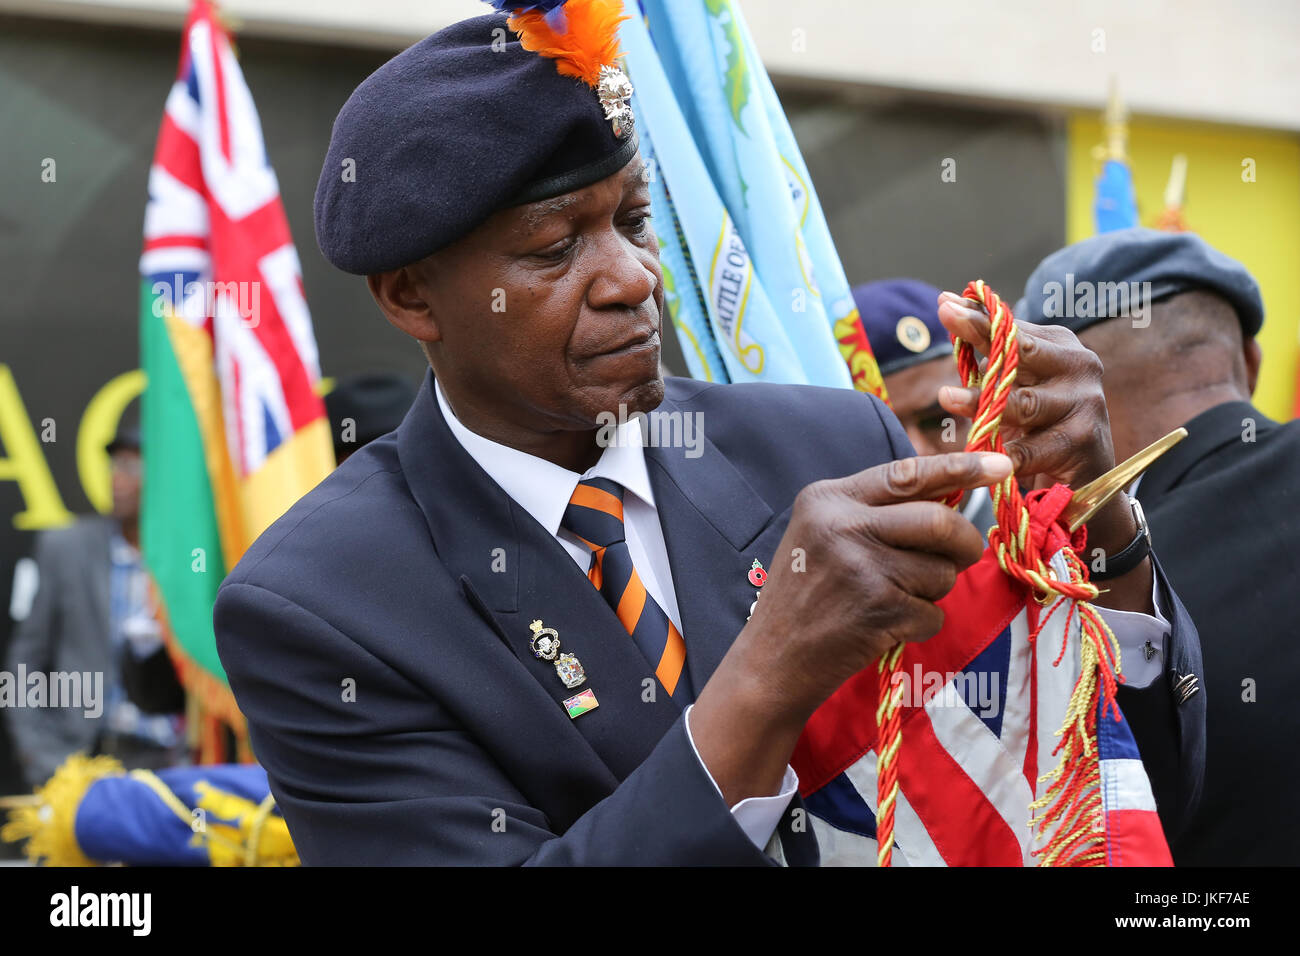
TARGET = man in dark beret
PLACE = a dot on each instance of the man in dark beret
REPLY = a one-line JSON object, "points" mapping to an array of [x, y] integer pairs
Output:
{"points": [[915, 355], [512, 633], [1222, 505]]}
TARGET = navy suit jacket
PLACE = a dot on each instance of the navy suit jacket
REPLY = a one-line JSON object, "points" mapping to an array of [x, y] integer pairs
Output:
{"points": [[1223, 511], [376, 638]]}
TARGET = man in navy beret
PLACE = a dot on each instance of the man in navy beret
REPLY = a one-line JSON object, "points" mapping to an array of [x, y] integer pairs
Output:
{"points": [[502, 634], [1174, 321], [915, 355]]}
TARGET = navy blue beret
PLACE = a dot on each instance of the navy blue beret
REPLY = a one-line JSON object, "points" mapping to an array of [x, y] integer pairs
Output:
{"points": [[454, 128], [1104, 277], [901, 319]]}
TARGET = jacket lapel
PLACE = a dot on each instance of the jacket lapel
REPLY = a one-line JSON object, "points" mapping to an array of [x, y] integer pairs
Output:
{"points": [[630, 719], [715, 525], [514, 572]]}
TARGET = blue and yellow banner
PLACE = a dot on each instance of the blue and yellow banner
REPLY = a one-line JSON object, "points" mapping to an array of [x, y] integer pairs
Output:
{"points": [[755, 287]]}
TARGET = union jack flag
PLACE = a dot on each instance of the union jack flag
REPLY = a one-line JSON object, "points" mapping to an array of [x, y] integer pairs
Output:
{"points": [[983, 702], [217, 248], [234, 430]]}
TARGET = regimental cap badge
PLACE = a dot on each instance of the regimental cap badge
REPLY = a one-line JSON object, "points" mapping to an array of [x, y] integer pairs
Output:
{"points": [[582, 37], [545, 642], [615, 91]]}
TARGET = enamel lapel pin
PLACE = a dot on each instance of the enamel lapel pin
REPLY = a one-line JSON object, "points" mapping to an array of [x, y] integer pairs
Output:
{"points": [[545, 644]]}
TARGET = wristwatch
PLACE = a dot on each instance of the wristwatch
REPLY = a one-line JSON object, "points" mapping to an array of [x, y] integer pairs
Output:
{"points": [[1117, 565]]}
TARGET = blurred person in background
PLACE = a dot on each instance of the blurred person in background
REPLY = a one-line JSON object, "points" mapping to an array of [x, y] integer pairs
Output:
{"points": [[93, 614], [1223, 506], [915, 355], [363, 407]]}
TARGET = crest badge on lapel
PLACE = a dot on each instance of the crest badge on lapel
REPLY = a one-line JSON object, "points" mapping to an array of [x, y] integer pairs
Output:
{"points": [[545, 644]]}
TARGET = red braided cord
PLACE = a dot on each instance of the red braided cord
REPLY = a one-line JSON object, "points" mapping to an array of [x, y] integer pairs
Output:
{"points": [[889, 734], [1073, 802], [995, 387]]}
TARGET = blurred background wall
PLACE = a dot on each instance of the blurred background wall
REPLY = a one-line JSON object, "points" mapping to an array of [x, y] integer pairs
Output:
{"points": [[880, 96]]}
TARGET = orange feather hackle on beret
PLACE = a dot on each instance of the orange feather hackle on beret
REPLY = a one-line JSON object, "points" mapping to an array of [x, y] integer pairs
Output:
{"points": [[590, 42]]}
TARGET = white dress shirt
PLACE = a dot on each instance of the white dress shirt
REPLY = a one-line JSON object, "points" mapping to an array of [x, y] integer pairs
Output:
{"points": [[543, 489]]}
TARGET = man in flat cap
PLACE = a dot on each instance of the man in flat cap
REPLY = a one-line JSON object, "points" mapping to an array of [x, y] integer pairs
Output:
{"points": [[506, 634], [1174, 322], [915, 355]]}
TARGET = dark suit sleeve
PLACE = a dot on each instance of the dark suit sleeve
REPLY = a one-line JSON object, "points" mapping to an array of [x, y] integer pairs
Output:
{"points": [[900, 446], [407, 784], [1171, 736]]}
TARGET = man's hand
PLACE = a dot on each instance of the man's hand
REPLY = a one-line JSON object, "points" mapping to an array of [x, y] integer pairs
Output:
{"points": [[880, 551], [1056, 427]]}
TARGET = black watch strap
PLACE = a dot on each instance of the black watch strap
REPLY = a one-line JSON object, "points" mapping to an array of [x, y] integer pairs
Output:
{"points": [[1117, 565]]}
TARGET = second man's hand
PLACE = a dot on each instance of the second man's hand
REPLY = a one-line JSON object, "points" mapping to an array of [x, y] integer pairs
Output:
{"points": [[1056, 428]]}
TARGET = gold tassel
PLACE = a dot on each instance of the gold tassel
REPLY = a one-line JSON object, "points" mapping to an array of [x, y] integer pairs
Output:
{"points": [[49, 824], [259, 837]]}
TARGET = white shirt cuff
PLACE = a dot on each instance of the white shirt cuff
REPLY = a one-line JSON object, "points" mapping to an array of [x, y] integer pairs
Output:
{"points": [[1141, 639], [757, 816]]}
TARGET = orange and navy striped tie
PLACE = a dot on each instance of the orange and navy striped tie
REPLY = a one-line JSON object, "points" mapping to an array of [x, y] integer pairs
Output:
{"points": [[595, 514]]}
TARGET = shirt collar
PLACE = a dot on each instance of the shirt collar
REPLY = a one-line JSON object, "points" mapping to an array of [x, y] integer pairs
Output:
{"points": [[543, 488]]}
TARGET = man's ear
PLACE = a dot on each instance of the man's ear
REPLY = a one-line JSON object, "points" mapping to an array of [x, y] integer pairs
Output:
{"points": [[1254, 359], [400, 294]]}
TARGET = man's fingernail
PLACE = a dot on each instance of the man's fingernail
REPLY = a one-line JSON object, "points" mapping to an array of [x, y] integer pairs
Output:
{"points": [[949, 296], [994, 465]]}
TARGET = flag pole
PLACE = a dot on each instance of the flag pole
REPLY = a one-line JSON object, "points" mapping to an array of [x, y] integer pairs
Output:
{"points": [[1171, 218]]}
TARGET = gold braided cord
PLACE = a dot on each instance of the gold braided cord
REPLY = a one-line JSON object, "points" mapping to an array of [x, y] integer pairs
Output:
{"points": [[889, 716], [1068, 816]]}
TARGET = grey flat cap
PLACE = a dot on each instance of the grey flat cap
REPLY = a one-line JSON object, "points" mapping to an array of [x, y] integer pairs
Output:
{"points": [[1107, 276]]}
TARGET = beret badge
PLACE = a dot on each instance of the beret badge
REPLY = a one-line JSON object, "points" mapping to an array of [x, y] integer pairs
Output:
{"points": [[582, 37], [913, 334], [614, 90]]}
